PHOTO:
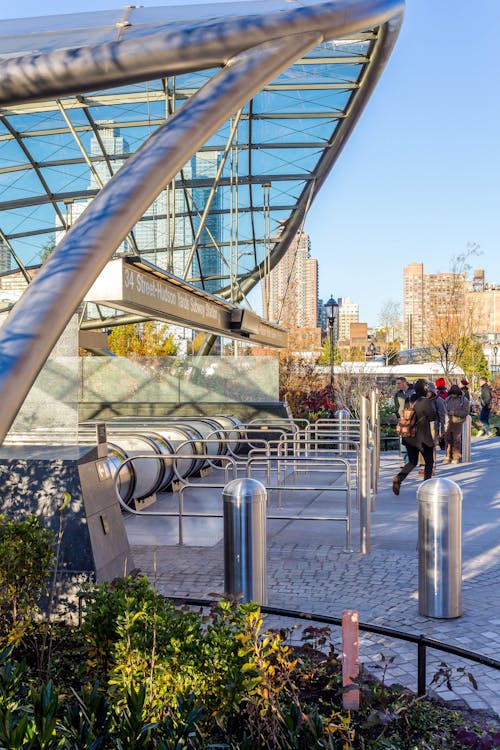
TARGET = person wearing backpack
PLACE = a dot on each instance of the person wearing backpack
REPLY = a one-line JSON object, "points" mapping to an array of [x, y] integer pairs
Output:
{"points": [[420, 440], [457, 409], [402, 395], [485, 401]]}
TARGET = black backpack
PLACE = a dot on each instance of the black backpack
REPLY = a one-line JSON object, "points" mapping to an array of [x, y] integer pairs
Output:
{"points": [[407, 425]]}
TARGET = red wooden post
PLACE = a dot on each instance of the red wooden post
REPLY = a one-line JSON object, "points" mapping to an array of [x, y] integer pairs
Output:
{"points": [[350, 657]]}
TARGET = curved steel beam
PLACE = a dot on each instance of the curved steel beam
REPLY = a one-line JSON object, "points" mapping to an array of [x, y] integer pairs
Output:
{"points": [[38, 319], [181, 48]]}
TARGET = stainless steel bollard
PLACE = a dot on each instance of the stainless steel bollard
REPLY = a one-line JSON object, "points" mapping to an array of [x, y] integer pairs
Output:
{"points": [[466, 434], [244, 510], [364, 479], [375, 427], [439, 548], [343, 416]]}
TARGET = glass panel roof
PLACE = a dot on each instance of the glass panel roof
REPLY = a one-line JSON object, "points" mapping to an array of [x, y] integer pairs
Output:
{"points": [[56, 155]]}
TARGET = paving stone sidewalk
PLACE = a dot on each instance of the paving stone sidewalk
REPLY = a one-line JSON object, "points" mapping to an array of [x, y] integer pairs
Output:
{"points": [[309, 572]]}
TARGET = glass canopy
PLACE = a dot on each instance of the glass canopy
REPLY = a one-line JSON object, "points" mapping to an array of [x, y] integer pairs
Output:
{"points": [[219, 224]]}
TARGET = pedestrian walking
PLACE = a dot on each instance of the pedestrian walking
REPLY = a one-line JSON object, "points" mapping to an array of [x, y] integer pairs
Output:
{"points": [[403, 392], [422, 442], [437, 427], [457, 409], [485, 400]]}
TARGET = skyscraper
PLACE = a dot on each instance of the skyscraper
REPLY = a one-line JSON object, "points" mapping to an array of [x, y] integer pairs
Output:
{"points": [[413, 304], [4, 257], [426, 298], [204, 165], [484, 299], [348, 313], [293, 287]]}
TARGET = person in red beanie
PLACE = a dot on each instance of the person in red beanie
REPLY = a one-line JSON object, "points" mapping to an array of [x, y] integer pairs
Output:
{"points": [[441, 389], [464, 387]]}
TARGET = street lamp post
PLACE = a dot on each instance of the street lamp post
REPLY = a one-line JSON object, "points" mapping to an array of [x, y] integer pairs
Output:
{"points": [[332, 313], [495, 352]]}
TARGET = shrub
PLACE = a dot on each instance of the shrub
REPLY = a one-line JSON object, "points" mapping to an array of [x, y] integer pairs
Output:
{"points": [[173, 679], [238, 680], [134, 636], [26, 558]]}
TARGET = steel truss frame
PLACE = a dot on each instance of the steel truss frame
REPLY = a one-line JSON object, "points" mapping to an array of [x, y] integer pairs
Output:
{"points": [[253, 49]]}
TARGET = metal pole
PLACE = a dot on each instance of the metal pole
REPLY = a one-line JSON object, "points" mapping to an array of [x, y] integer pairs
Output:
{"points": [[364, 479], [466, 439], [421, 667], [244, 510], [343, 417], [371, 469], [376, 441], [330, 328]]}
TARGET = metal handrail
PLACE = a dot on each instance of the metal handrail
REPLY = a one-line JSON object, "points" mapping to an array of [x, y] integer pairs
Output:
{"points": [[343, 467], [165, 457], [344, 433], [180, 498], [270, 421], [181, 483]]}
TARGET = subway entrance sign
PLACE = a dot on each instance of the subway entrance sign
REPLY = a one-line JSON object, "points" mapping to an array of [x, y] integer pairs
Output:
{"points": [[138, 287]]}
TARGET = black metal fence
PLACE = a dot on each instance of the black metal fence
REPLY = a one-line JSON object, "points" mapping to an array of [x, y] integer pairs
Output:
{"points": [[421, 641]]}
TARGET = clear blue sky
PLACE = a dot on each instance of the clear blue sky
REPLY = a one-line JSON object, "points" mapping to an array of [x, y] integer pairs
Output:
{"points": [[420, 175], [419, 178]]}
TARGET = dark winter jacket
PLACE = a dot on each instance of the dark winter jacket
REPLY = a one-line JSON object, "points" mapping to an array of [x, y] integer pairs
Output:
{"points": [[425, 415], [486, 395], [440, 409]]}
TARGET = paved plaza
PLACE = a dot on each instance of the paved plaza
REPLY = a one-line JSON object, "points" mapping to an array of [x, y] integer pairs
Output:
{"points": [[309, 571]]}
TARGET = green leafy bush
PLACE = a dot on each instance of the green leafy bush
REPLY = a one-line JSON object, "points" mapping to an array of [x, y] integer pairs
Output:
{"points": [[26, 559], [137, 638], [157, 677]]}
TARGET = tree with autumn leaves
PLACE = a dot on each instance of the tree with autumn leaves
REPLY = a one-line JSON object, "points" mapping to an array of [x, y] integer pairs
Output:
{"points": [[455, 318], [147, 339]]}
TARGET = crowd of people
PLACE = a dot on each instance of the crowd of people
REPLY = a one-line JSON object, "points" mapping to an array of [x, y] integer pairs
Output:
{"points": [[433, 415]]}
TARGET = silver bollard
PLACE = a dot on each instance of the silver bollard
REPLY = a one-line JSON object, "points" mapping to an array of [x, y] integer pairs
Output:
{"points": [[375, 426], [439, 548], [364, 479], [343, 416], [466, 434], [244, 509]]}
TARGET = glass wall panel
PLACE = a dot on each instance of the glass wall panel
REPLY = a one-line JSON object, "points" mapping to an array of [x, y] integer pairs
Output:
{"points": [[123, 379], [169, 380], [231, 379], [49, 415]]}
